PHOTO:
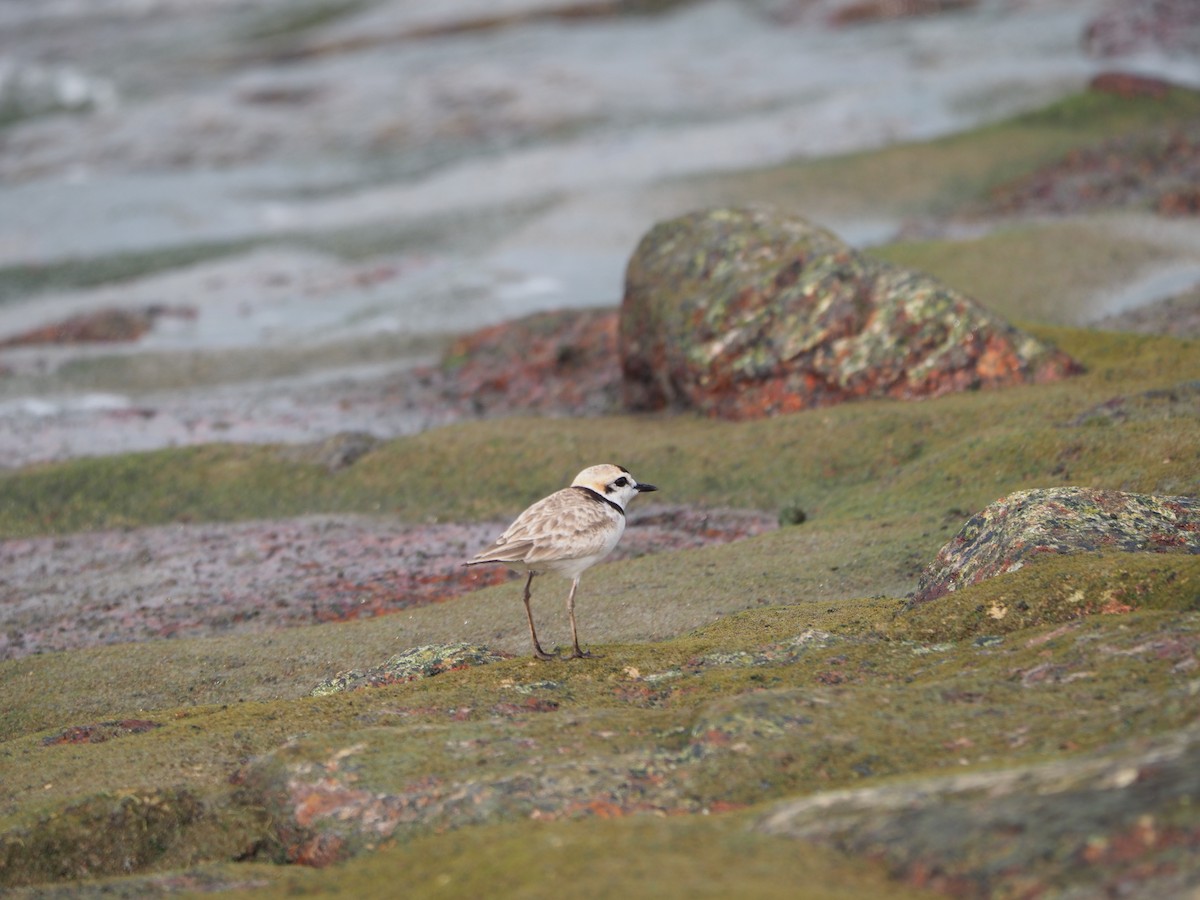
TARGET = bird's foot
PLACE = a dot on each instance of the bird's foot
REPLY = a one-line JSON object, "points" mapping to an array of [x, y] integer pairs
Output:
{"points": [[583, 654], [541, 654]]}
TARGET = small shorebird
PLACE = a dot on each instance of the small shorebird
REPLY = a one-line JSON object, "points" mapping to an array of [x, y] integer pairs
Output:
{"points": [[567, 532]]}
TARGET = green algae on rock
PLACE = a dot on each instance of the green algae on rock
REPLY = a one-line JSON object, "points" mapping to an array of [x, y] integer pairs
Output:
{"points": [[742, 313], [1023, 525], [417, 662]]}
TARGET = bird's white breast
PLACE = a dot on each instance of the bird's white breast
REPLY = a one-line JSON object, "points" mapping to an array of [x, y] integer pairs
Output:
{"points": [[573, 567]]}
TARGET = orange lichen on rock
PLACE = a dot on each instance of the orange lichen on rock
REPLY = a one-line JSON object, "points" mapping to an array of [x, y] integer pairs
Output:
{"points": [[744, 313]]}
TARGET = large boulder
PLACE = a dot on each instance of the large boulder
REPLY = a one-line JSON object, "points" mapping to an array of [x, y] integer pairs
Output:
{"points": [[1022, 526], [742, 313]]}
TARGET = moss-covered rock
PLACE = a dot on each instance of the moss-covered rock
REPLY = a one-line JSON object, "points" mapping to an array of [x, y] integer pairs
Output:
{"points": [[1023, 525], [761, 705], [1055, 590], [1089, 827], [106, 834], [418, 662], [730, 724], [743, 313]]}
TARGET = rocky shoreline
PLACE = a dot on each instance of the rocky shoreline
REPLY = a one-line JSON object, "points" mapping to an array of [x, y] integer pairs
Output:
{"points": [[888, 647]]}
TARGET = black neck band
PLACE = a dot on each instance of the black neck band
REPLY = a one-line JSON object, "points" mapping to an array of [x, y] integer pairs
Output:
{"points": [[596, 495]]}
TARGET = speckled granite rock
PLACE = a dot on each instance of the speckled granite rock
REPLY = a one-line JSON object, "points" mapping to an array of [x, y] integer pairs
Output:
{"points": [[742, 313], [1023, 525]]}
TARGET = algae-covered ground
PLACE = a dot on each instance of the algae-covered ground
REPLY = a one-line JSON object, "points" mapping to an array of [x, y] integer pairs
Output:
{"points": [[727, 678]]}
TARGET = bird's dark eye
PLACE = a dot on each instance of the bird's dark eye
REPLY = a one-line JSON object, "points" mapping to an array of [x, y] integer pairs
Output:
{"points": [[622, 482]]}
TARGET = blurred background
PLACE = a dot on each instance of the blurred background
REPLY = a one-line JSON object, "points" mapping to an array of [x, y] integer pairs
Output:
{"points": [[247, 219]]}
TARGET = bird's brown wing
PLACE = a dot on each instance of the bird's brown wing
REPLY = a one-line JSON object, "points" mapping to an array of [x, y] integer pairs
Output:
{"points": [[557, 527], [503, 551]]}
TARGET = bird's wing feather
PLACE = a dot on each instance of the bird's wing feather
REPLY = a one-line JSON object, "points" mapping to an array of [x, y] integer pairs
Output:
{"points": [[503, 551], [556, 527]]}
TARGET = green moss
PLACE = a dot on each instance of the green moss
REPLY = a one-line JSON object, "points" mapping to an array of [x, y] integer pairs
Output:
{"points": [[194, 483], [874, 459], [1095, 112], [938, 177], [672, 858], [1054, 590], [1062, 267], [115, 833], [710, 719]]}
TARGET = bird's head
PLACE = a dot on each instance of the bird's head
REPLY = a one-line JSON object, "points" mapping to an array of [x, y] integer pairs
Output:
{"points": [[613, 482]]}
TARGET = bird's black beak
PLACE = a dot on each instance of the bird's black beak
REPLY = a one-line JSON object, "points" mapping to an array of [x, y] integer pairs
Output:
{"points": [[645, 487]]}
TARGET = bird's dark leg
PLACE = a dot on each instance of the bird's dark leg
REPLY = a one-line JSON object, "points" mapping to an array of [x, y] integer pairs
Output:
{"points": [[537, 648], [576, 653]]}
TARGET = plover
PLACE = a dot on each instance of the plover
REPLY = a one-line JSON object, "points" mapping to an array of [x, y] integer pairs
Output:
{"points": [[566, 533]]}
